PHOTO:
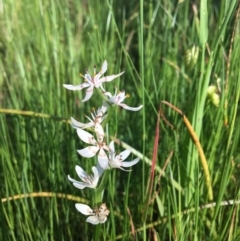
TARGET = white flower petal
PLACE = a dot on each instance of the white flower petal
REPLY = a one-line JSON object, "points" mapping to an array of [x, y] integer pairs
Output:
{"points": [[89, 151], [131, 108], [104, 67], [71, 179], [108, 94], [95, 79], [93, 220], [103, 108], [100, 170], [111, 146], [88, 78], [86, 137], [89, 93], [95, 172], [98, 84], [105, 147], [88, 180], [84, 209], [103, 209], [123, 155], [82, 185], [80, 172], [131, 163], [124, 169], [102, 218], [76, 87], [76, 124], [99, 132], [109, 78], [96, 175], [118, 98], [103, 159], [114, 163]]}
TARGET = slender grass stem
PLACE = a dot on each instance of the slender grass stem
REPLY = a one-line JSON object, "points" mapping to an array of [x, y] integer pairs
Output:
{"points": [[199, 147], [45, 195]]}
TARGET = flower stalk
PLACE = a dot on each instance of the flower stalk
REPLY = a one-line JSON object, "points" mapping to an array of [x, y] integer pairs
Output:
{"points": [[107, 157]]}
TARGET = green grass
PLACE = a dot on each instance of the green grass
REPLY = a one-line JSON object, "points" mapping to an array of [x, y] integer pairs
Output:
{"points": [[45, 44]]}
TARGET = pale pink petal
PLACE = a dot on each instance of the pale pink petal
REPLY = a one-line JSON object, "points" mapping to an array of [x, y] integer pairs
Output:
{"points": [[88, 78], [86, 137], [131, 163], [108, 94], [71, 179], [103, 159], [102, 218], [103, 108], [99, 132], [76, 87], [77, 184], [100, 170], [84, 209], [104, 67], [88, 180], [111, 146], [96, 175], [124, 169], [89, 93], [100, 119], [89, 151], [109, 78], [114, 163], [131, 108], [80, 172], [105, 147], [93, 220], [99, 85], [123, 155], [76, 124], [95, 80], [82, 185], [103, 209], [119, 98], [95, 172]]}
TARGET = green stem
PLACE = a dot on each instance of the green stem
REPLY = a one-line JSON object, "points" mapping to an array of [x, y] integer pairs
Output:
{"points": [[98, 194]]}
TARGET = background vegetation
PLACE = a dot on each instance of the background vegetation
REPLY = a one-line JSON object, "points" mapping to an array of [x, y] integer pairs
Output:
{"points": [[44, 44]]}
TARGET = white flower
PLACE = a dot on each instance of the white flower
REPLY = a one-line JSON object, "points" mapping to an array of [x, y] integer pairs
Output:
{"points": [[96, 216], [118, 161], [96, 117], [88, 180], [94, 81], [98, 145], [117, 99]]}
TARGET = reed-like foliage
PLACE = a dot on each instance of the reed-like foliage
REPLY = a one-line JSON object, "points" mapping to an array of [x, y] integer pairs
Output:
{"points": [[170, 194]]}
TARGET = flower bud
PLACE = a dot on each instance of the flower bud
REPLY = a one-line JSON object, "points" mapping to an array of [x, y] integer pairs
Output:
{"points": [[213, 95], [211, 90], [191, 56], [215, 99]]}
